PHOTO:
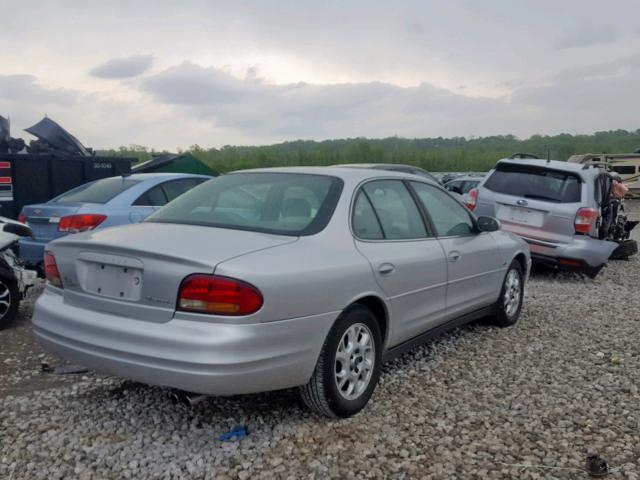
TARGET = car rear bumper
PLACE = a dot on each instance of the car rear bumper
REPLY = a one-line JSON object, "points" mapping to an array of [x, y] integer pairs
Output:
{"points": [[32, 251], [195, 356], [590, 252]]}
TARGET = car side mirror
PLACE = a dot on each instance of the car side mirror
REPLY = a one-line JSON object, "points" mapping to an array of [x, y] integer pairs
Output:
{"points": [[488, 224], [455, 189]]}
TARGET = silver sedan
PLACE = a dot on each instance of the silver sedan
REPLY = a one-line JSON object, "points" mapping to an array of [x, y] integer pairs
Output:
{"points": [[277, 278]]}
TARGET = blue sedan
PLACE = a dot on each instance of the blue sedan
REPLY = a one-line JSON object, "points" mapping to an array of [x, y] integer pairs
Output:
{"points": [[103, 203]]}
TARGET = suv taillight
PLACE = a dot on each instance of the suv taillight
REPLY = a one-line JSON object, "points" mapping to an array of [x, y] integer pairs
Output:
{"points": [[218, 295], [51, 271], [81, 222], [22, 218], [472, 199], [585, 218]]}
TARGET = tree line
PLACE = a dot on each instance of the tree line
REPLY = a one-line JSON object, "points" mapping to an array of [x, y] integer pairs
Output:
{"points": [[456, 154]]}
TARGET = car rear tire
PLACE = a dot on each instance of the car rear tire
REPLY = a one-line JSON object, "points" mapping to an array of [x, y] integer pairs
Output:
{"points": [[9, 302], [624, 250], [509, 304], [348, 368]]}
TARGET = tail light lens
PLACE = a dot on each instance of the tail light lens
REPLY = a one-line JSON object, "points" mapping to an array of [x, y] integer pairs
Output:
{"points": [[22, 218], [218, 295], [585, 218], [472, 199], [51, 271], [80, 223]]}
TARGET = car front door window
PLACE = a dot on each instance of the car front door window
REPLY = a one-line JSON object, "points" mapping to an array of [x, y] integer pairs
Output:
{"points": [[449, 218]]}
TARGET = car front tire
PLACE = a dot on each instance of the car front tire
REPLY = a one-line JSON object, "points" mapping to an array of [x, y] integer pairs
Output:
{"points": [[509, 304], [349, 365]]}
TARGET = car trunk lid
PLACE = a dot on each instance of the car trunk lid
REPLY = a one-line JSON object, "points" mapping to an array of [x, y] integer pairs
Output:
{"points": [[135, 271], [44, 218]]}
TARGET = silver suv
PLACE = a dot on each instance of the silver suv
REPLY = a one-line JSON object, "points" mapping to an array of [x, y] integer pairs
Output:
{"points": [[558, 208]]}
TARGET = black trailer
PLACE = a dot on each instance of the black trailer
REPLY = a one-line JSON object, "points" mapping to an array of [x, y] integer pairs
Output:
{"points": [[26, 179]]}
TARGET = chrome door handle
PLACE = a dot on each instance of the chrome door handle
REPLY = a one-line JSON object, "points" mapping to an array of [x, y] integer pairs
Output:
{"points": [[386, 268], [454, 256]]}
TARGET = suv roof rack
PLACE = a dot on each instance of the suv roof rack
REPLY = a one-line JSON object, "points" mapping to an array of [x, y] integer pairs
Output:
{"points": [[523, 155]]}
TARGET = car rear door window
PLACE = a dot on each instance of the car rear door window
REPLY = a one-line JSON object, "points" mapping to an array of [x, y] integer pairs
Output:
{"points": [[448, 216], [154, 197], [174, 188], [395, 209], [536, 183], [365, 222]]}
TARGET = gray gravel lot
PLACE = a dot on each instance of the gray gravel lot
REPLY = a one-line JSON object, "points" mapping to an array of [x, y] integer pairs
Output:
{"points": [[562, 383]]}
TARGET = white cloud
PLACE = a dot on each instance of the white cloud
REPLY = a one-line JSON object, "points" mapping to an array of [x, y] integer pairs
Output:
{"points": [[123, 67]]}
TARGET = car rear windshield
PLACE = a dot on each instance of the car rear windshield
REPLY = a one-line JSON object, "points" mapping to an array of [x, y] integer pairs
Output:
{"points": [[280, 203], [536, 183], [100, 191]]}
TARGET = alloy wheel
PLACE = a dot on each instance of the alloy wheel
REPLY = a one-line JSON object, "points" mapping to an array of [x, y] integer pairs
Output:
{"points": [[512, 292], [355, 358]]}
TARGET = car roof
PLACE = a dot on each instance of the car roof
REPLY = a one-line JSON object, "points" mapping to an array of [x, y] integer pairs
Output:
{"points": [[354, 174], [163, 176], [542, 163], [462, 178], [377, 166]]}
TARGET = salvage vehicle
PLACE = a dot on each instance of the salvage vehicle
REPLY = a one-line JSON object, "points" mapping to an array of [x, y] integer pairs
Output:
{"points": [[99, 204], [566, 212], [276, 278], [15, 278]]}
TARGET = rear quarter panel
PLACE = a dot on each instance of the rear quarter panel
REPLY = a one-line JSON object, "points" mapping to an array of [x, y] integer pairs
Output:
{"points": [[311, 276]]}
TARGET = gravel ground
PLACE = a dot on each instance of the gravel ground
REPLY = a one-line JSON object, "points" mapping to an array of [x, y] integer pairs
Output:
{"points": [[474, 404]]}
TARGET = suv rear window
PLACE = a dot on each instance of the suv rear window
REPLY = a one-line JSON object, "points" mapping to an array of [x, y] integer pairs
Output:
{"points": [[537, 183], [100, 191]]}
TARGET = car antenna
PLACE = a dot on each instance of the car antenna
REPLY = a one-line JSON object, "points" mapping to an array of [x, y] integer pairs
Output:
{"points": [[548, 155]]}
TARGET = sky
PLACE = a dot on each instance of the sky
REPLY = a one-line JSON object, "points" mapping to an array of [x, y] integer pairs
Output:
{"points": [[171, 74]]}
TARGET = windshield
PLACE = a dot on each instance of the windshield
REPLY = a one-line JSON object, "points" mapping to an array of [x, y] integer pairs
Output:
{"points": [[100, 191], [281, 203], [536, 183]]}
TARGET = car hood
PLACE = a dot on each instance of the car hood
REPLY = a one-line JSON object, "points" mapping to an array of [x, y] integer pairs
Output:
{"points": [[198, 245]]}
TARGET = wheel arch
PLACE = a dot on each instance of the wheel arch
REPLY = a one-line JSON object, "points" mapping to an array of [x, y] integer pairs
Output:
{"points": [[379, 309], [521, 258]]}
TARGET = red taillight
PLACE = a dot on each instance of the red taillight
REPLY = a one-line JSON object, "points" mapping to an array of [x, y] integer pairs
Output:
{"points": [[218, 295], [472, 199], [81, 222], [585, 218], [51, 270], [22, 218]]}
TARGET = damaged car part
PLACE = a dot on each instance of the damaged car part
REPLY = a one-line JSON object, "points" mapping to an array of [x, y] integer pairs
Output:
{"points": [[56, 139], [15, 278]]}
